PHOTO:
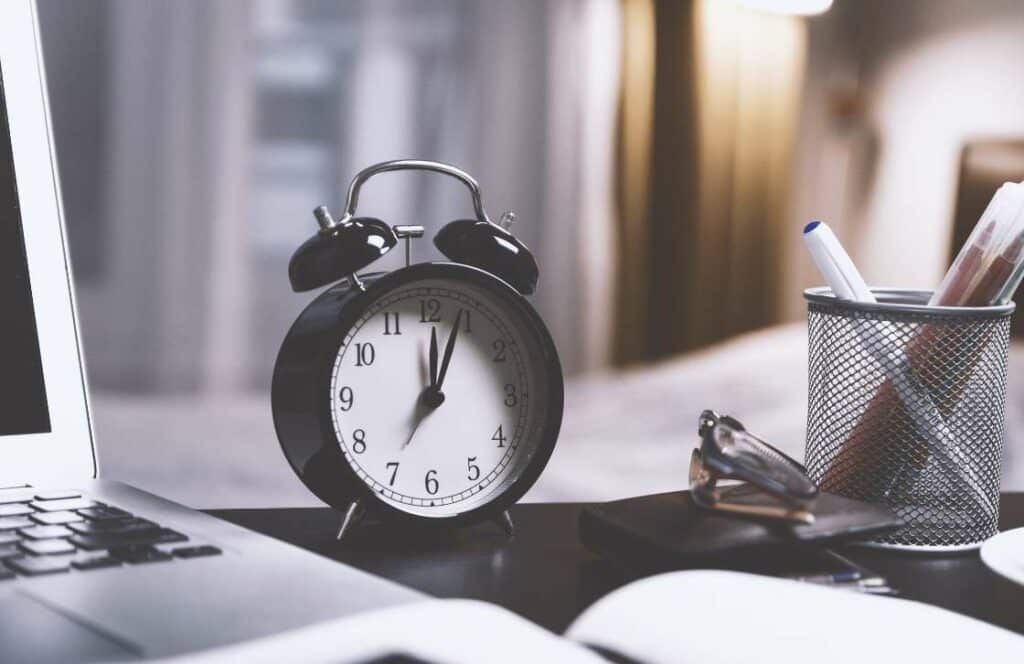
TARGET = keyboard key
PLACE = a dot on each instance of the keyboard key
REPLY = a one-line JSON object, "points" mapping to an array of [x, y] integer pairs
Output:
{"points": [[100, 562], [41, 565], [136, 554], [61, 505], [196, 551], [10, 551], [15, 509], [45, 532], [111, 526], [16, 495], [56, 518], [14, 522], [58, 495], [103, 513], [135, 537], [6, 574], [48, 547], [9, 537]]}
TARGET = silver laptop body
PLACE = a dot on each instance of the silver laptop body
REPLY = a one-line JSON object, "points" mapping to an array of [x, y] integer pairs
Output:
{"points": [[92, 569]]}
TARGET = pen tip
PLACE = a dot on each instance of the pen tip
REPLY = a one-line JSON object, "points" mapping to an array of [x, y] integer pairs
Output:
{"points": [[811, 226]]}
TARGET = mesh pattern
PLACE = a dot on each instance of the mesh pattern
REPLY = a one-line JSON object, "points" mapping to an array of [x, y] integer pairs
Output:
{"points": [[905, 408]]}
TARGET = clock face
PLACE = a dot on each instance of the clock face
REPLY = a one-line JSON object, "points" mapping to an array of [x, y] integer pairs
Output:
{"points": [[440, 393]]}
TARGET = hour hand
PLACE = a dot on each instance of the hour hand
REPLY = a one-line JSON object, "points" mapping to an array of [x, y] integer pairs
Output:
{"points": [[431, 397], [433, 356]]}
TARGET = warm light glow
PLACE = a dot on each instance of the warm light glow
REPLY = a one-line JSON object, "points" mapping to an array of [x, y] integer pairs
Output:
{"points": [[795, 7]]}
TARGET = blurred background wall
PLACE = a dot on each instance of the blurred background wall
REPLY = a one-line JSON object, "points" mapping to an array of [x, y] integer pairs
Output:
{"points": [[196, 137], [894, 91], [661, 156]]}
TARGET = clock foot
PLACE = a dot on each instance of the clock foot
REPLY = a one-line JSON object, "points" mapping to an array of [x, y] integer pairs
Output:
{"points": [[504, 521], [353, 515]]}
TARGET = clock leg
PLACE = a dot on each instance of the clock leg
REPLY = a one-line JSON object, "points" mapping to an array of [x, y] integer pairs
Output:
{"points": [[505, 523], [353, 515]]}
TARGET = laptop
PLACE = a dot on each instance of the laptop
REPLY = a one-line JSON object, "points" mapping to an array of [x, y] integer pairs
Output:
{"points": [[93, 569]]}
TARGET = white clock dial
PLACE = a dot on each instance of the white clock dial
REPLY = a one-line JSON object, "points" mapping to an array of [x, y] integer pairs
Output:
{"points": [[444, 444]]}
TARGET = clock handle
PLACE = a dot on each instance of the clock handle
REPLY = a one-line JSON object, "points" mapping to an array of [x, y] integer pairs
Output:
{"points": [[413, 165]]}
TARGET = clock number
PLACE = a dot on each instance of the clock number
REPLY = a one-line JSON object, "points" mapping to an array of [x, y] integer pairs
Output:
{"points": [[465, 319], [474, 470], [365, 354], [393, 467], [430, 482], [511, 398], [347, 398], [499, 436], [388, 317], [499, 346], [430, 311], [358, 441]]}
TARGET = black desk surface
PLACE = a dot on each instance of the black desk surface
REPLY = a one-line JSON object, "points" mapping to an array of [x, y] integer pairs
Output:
{"points": [[546, 575]]}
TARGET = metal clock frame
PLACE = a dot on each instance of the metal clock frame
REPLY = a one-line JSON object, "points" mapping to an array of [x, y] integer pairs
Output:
{"points": [[303, 420]]}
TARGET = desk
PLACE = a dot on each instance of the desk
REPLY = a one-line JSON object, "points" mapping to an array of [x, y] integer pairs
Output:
{"points": [[547, 576]]}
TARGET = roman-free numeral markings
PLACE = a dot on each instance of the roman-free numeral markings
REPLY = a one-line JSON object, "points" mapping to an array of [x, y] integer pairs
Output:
{"points": [[359, 441], [430, 482], [347, 398], [430, 311], [365, 354], [392, 324]]}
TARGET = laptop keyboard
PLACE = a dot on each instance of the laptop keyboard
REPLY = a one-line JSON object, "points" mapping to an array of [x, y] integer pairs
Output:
{"points": [[49, 532]]}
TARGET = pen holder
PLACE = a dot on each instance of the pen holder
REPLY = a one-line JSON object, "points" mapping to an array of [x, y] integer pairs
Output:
{"points": [[906, 408]]}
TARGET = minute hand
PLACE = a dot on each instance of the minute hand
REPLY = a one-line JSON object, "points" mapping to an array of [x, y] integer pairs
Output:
{"points": [[449, 347]]}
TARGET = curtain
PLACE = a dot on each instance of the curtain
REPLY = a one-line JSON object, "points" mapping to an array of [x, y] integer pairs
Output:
{"points": [[577, 255], [164, 187], [709, 107], [198, 135]]}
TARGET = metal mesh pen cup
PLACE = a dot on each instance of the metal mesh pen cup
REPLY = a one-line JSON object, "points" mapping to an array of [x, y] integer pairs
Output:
{"points": [[906, 408]]}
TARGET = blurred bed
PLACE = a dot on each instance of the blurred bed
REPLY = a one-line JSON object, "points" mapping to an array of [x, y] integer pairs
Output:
{"points": [[624, 433]]}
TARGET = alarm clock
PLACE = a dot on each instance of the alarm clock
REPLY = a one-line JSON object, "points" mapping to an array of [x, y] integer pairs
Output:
{"points": [[429, 395]]}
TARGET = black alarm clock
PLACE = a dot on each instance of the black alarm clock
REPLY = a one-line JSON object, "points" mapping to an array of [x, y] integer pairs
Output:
{"points": [[432, 394]]}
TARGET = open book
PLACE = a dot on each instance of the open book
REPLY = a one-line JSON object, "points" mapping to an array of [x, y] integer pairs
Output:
{"points": [[709, 617]]}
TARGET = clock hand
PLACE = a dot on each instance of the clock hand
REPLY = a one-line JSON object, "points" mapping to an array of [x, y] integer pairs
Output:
{"points": [[449, 347], [431, 397], [418, 415], [433, 356]]}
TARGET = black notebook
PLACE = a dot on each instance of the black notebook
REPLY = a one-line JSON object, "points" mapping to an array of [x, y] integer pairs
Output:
{"points": [[668, 531]]}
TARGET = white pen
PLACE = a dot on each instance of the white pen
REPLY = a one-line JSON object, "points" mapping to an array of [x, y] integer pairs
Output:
{"points": [[835, 264]]}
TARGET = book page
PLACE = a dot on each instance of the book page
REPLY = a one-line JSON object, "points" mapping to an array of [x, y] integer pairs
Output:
{"points": [[716, 617]]}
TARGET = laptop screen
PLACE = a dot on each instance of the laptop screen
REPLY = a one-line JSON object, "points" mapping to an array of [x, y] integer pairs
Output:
{"points": [[23, 405]]}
